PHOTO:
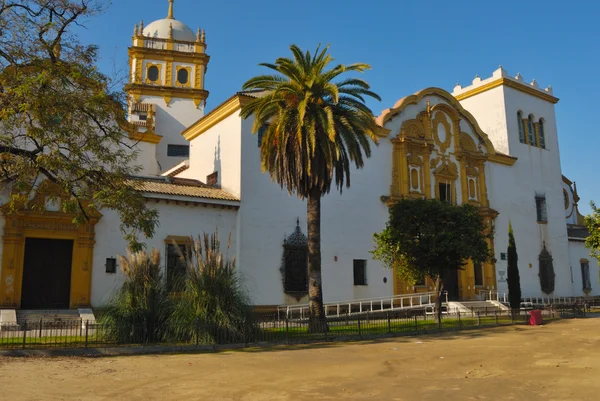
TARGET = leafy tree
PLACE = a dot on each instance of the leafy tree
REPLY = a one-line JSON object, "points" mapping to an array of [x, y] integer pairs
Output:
{"points": [[317, 129], [60, 117], [428, 238], [512, 275], [592, 222]]}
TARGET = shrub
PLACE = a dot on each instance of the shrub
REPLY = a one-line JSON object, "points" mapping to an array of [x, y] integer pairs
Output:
{"points": [[213, 299], [138, 311]]}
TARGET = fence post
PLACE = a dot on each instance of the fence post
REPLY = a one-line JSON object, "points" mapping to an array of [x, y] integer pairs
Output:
{"points": [[478, 319], [24, 334], [459, 322], [416, 324], [496, 315], [41, 321], [287, 330], [359, 333], [389, 323], [512, 316], [87, 325]]}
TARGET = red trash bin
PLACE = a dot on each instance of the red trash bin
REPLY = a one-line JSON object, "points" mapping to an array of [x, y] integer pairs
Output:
{"points": [[535, 318]]}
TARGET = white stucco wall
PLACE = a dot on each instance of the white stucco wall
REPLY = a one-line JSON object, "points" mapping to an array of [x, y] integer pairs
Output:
{"points": [[174, 220], [512, 190], [489, 110], [268, 214], [577, 252], [170, 121], [218, 149]]}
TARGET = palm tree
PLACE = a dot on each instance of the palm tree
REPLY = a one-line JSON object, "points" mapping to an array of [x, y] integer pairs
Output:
{"points": [[315, 130]]}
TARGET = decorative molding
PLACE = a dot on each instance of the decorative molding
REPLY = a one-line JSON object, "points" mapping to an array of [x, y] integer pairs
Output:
{"points": [[511, 84], [440, 118], [401, 104]]}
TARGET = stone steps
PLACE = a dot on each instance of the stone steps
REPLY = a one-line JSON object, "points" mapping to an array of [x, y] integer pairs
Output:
{"points": [[66, 316]]}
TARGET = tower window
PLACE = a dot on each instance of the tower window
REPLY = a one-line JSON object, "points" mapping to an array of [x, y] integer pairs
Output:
{"points": [[531, 131], [542, 134], [153, 73], [521, 128], [183, 76], [540, 206], [178, 150]]}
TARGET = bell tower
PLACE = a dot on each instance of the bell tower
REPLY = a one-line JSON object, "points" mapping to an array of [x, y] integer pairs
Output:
{"points": [[166, 92]]}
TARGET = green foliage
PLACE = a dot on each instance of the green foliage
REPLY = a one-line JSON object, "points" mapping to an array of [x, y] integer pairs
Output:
{"points": [[212, 298], [592, 222], [61, 117], [213, 295], [316, 128], [512, 275], [426, 237], [139, 310]]}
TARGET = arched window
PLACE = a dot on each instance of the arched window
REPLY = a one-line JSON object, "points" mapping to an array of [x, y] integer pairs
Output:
{"points": [[521, 127], [295, 263], [183, 76], [153, 73], [542, 134], [531, 131]]}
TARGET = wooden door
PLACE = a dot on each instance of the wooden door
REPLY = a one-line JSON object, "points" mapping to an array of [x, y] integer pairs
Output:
{"points": [[47, 274]]}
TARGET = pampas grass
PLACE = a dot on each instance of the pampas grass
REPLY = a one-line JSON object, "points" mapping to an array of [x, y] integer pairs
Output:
{"points": [[213, 300], [138, 311]]}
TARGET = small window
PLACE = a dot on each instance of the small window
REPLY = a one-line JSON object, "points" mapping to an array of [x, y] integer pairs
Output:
{"points": [[540, 206], [261, 133], [143, 117], [111, 265], [360, 272], [478, 270], [178, 150], [212, 178], [183, 76], [531, 129], [585, 275], [542, 134], [445, 192], [176, 268], [153, 73], [521, 128]]}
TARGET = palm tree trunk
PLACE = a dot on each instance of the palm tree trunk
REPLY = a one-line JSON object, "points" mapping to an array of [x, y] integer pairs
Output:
{"points": [[315, 287]]}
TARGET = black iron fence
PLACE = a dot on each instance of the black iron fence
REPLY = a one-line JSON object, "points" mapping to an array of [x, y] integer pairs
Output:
{"points": [[266, 330]]}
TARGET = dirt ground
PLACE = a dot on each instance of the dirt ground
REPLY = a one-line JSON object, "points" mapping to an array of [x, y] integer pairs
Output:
{"points": [[560, 361]]}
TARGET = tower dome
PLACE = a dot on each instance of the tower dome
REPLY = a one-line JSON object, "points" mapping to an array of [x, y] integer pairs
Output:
{"points": [[161, 28]]}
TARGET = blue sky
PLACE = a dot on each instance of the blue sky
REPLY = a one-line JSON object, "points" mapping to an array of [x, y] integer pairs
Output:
{"points": [[410, 44]]}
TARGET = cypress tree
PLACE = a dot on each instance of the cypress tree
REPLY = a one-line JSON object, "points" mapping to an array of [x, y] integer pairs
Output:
{"points": [[512, 275]]}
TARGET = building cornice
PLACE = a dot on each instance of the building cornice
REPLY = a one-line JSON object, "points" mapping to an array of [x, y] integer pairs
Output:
{"points": [[511, 84], [215, 116]]}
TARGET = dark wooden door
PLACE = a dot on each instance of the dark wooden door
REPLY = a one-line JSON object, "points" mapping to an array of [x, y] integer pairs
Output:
{"points": [[450, 280], [47, 274]]}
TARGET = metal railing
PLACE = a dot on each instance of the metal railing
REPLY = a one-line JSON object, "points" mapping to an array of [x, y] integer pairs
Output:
{"points": [[353, 306], [265, 331], [542, 300]]}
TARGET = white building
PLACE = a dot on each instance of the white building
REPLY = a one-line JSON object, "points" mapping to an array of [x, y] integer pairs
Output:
{"points": [[493, 144]]}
